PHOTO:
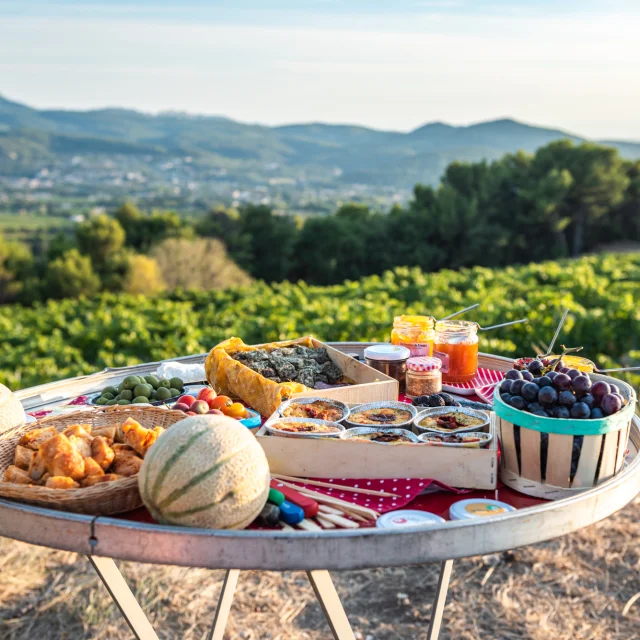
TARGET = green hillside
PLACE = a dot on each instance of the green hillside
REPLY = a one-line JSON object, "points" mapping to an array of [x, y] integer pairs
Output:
{"points": [[318, 153], [72, 337]]}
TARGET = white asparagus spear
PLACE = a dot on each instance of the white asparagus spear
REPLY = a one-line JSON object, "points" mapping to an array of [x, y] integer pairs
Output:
{"points": [[342, 522], [308, 525], [326, 524]]}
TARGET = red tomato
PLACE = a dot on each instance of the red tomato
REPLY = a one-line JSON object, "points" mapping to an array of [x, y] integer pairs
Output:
{"points": [[220, 402]]}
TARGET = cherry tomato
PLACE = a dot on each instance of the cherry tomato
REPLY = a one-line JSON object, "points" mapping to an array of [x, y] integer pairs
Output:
{"points": [[235, 410], [220, 402]]}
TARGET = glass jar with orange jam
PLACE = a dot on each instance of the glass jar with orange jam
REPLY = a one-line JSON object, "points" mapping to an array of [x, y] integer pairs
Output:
{"points": [[456, 344], [414, 332]]}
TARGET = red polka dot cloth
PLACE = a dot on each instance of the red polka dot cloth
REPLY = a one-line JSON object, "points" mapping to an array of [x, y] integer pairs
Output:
{"points": [[407, 489]]}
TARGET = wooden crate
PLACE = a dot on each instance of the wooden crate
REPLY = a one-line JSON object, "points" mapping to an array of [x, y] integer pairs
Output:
{"points": [[371, 385], [334, 458]]}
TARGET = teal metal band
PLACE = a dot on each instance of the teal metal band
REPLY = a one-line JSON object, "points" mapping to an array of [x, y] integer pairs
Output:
{"points": [[616, 422]]}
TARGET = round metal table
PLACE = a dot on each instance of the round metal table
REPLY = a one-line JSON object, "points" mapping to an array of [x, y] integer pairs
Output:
{"points": [[103, 539]]}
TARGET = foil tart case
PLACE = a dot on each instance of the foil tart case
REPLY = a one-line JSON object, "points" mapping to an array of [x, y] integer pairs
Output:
{"points": [[439, 411], [306, 400], [382, 405], [269, 426], [355, 432], [429, 438]]}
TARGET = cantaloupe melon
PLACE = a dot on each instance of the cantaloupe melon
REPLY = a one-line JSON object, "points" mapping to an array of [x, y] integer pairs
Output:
{"points": [[206, 471], [11, 411]]}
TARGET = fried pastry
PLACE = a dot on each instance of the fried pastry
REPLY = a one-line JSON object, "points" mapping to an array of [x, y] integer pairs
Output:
{"points": [[61, 482], [92, 468], [22, 457], [139, 437], [61, 458], [33, 439], [89, 481], [16, 475], [101, 452]]}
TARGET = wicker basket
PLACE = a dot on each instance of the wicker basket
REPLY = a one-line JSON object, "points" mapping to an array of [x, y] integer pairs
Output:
{"points": [[102, 499], [551, 458]]}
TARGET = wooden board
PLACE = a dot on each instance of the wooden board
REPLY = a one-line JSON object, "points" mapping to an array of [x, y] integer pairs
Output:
{"points": [[334, 458]]}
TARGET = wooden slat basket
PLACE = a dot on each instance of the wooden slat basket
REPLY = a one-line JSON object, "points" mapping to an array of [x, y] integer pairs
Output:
{"points": [[553, 458], [106, 498]]}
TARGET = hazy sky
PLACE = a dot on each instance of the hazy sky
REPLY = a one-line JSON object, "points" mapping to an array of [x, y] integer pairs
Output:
{"points": [[394, 64]]}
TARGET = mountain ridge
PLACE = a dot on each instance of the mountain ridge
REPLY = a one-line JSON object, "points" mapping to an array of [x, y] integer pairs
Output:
{"points": [[314, 152]]}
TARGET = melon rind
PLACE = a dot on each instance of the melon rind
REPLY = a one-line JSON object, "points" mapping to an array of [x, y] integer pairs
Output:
{"points": [[11, 412], [205, 471]]}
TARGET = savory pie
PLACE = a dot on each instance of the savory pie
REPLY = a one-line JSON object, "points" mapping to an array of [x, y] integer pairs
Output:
{"points": [[304, 427], [451, 421], [385, 437], [383, 415], [453, 438], [318, 409]]}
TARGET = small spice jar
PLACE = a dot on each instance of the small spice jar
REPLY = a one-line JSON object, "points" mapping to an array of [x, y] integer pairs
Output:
{"points": [[424, 377], [389, 359]]}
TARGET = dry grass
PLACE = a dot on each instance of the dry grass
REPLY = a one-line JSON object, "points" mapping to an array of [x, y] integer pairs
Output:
{"points": [[572, 588]]}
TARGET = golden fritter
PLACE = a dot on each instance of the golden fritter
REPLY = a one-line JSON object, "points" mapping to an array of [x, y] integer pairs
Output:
{"points": [[92, 468], [22, 457], [139, 437], [33, 439], [16, 475], [61, 482], [101, 452], [89, 481], [61, 458]]}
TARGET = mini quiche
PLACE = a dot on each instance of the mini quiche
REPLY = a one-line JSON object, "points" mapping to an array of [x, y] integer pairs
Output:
{"points": [[318, 409], [303, 428], [451, 421], [385, 437], [381, 416]]}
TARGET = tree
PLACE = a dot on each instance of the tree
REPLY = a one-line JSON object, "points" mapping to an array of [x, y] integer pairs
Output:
{"points": [[17, 273], [598, 183], [71, 275], [226, 225], [272, 238], [144, 276], [197, 264], [100, 238]]}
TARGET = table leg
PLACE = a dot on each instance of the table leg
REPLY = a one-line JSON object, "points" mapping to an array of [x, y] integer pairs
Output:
{"points": [[224, 604], [331, 606], [125, 600], [439, 601]]}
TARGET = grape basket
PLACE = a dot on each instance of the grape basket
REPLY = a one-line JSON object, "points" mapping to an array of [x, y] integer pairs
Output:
{"points": [[554, 458]]}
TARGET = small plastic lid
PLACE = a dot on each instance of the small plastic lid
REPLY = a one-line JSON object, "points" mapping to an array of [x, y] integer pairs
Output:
{"points": [[387, 352], [424, 363], [478, 508], [407, 518]]}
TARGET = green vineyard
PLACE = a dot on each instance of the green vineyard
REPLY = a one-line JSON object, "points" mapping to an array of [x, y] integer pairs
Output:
{"points": [[61, 339]]}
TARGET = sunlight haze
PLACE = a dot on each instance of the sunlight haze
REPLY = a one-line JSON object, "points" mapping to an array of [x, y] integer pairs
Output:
{"points": [[385, 65]]}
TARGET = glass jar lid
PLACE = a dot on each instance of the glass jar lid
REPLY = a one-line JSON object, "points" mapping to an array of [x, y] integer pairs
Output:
{"points": [[456, 326], [420, 322], [387, 352], [424, 363]]}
